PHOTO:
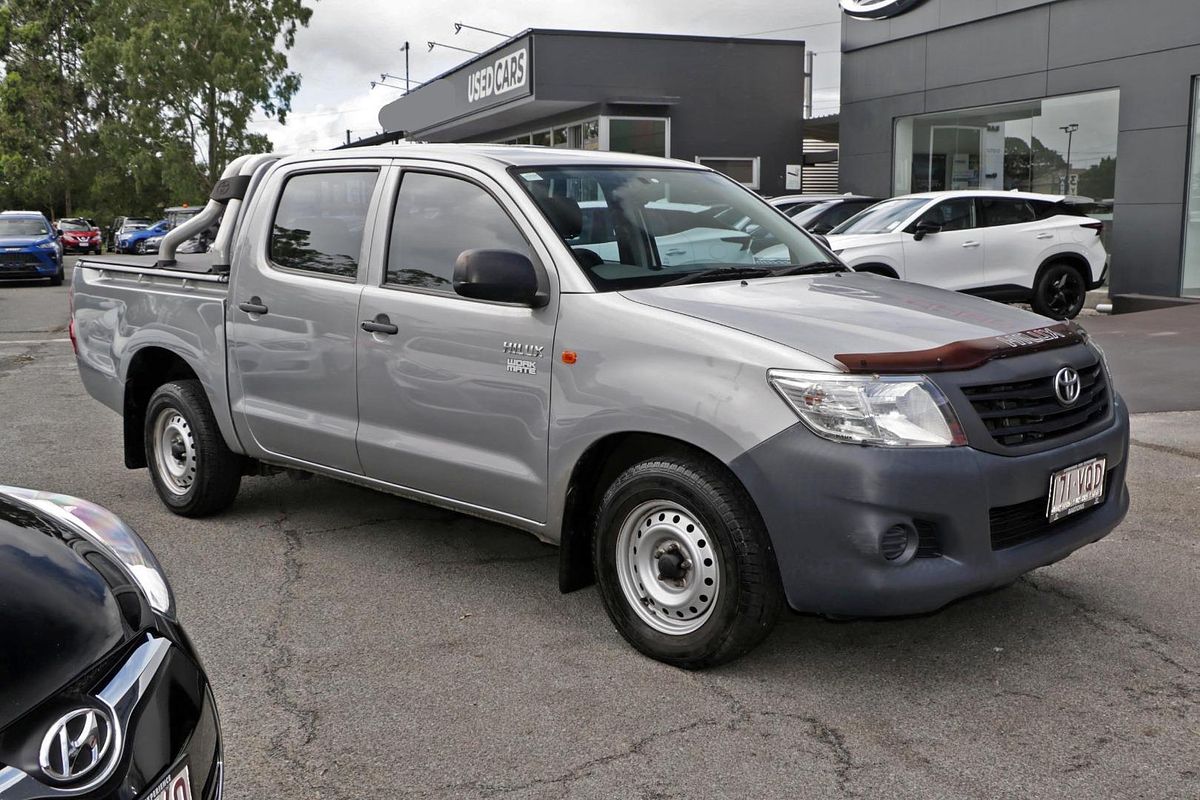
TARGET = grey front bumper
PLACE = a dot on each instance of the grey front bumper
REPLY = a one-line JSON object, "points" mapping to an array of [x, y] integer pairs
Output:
{"points": [[825, 505]]}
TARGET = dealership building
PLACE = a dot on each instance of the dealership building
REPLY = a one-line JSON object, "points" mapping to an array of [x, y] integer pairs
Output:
{"points": [[733, 104], [1089, 97]]}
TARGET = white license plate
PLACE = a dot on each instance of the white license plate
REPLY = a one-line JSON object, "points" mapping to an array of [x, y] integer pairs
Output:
{"points": [[1075, 488], [176, 786]]}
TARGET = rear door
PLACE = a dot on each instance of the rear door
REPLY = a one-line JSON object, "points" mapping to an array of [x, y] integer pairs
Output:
{"points": [[456, 402], [293, 312], [1015, 241], [951, 258]]}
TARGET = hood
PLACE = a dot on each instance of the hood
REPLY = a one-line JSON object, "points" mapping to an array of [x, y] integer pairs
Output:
{"points": [[23, 241], [846, 312], [847, 241], [57, 613]]}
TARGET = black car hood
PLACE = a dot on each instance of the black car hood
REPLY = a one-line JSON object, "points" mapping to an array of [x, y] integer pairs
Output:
{"points": [[58, 615]]}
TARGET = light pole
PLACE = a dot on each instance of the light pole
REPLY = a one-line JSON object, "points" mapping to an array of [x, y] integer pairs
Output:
{"points": [[1068, 129]]}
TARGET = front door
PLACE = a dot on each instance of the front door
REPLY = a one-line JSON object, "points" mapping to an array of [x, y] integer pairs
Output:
{"points": [[293, 315], [453, 393], [951, 258]]}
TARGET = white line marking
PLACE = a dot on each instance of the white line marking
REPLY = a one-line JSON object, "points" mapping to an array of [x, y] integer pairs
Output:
{"points": [[30, 341]]}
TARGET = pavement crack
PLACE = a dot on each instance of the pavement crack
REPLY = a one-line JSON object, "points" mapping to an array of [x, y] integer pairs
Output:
{"points": [[281, 656], [1151, 642], [1166, 448], [585, 768]]}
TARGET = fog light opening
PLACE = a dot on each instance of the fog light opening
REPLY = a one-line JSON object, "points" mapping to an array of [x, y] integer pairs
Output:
{"points": [[898, 544]]}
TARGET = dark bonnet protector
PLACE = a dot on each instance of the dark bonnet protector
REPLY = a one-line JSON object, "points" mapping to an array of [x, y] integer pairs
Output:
{"points": [[966, 354]]}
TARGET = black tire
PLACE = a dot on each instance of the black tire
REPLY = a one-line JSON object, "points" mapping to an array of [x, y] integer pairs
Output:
{"points": [[1060, 291], [748, 596], [210, 473], [57, 278]]}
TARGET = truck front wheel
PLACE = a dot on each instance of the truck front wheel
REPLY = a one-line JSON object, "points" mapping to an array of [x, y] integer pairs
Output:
{"points": [[685, 567], [193, 471]]}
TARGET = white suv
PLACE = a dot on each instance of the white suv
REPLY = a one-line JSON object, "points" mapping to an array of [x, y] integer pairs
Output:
{"points": [[1008, 246]]}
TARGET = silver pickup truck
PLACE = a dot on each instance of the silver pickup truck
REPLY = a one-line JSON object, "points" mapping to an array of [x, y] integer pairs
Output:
{"points": [[634, 358]]}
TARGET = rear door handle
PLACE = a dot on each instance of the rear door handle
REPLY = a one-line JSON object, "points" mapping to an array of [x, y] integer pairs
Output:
{"points": [[970, 244], [253, 306], [381, 324], [1045, 236]]}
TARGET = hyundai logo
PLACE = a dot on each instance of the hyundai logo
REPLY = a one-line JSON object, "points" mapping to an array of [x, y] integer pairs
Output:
{"points": [[876, 9], [77, 745], [1066, 386]]}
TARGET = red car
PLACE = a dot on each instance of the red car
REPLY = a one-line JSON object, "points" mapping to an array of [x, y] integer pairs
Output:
{"points": [[79, 235]]}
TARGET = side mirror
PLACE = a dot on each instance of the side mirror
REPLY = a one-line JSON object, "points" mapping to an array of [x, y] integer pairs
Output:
{"points": [[923, 229], [501, 276]]}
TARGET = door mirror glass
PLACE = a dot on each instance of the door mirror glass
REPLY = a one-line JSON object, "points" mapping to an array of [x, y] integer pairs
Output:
{"points": [[501, 276], [923, 229]]}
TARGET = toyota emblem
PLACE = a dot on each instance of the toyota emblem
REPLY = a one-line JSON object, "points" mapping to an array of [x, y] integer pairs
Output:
{"points": [[1066, 386], [77, 745]]}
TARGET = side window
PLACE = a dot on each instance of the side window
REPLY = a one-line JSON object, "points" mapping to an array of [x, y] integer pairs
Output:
{"points": [[436, 218], [957, 214], [840, 213], [1006, 211], [319, 222]]}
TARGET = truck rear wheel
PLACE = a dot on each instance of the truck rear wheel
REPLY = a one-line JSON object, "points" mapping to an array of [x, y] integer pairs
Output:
{"points": [[193, 471], [685, 567]]}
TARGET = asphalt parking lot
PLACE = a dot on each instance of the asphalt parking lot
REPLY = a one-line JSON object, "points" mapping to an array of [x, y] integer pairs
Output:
{"points": [[365, 646]]}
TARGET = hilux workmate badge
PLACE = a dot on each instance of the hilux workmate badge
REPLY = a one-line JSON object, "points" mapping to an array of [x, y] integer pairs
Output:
{"points": [[876, 9], [1026, 338], [527, 350]]}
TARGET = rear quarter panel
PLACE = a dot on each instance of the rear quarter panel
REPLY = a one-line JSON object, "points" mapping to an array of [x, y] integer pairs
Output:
{"points": [[117, 315]]}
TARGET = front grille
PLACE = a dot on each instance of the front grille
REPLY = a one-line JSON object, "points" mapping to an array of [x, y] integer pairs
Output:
{"points": [[19, 261], [1024, 522], [1027, 412]]}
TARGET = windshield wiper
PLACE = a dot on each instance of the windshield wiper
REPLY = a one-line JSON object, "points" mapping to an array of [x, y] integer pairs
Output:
{"points": [[815, 266], [721, 274]]}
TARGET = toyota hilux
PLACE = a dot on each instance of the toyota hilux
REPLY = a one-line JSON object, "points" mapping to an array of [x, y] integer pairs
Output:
{"points": [[711, 438]]}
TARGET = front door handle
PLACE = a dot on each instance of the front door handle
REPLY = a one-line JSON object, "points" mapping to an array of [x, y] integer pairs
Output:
{"points": [[381, 324], [1045, 236], [970, 244], [253, 306]]}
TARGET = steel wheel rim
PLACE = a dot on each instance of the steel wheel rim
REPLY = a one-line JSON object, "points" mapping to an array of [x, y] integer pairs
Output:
{"points": [[674, 606], [174, 451]]}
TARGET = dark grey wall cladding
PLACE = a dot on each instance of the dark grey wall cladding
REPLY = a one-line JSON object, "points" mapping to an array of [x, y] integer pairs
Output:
{"points": [[735, 98], [952, 54]]}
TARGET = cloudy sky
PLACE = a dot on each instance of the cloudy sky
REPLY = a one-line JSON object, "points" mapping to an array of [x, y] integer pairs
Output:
{"points": [[349, 43]]}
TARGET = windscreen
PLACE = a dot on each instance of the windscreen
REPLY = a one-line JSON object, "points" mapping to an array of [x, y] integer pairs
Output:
{"points": [[630, 227], [882, 217], [73, 225], [23, 226]]}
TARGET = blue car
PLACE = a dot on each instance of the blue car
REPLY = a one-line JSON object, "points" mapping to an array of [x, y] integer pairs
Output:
{"points": [[29, 248], [133, 242]]}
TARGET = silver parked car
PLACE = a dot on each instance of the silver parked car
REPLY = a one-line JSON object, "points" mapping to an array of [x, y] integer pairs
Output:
{"points": [[577, 345]]}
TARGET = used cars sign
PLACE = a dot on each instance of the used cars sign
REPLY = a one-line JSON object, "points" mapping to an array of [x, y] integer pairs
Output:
{"points": [[877, 9], [505, 74]]}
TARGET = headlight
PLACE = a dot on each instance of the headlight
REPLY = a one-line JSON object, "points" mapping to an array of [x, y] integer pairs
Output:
{"points": [[50, 245], [106, 530], [887, 411]]}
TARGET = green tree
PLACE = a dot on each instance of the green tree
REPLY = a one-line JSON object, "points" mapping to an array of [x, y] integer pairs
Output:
{"points": [[194, 72], [45, 106], [1099, 180]]}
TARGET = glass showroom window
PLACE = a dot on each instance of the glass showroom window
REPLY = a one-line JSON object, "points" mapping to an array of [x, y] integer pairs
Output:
{"points": [[1059, 145], [644, 136], [1191, 233]]}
